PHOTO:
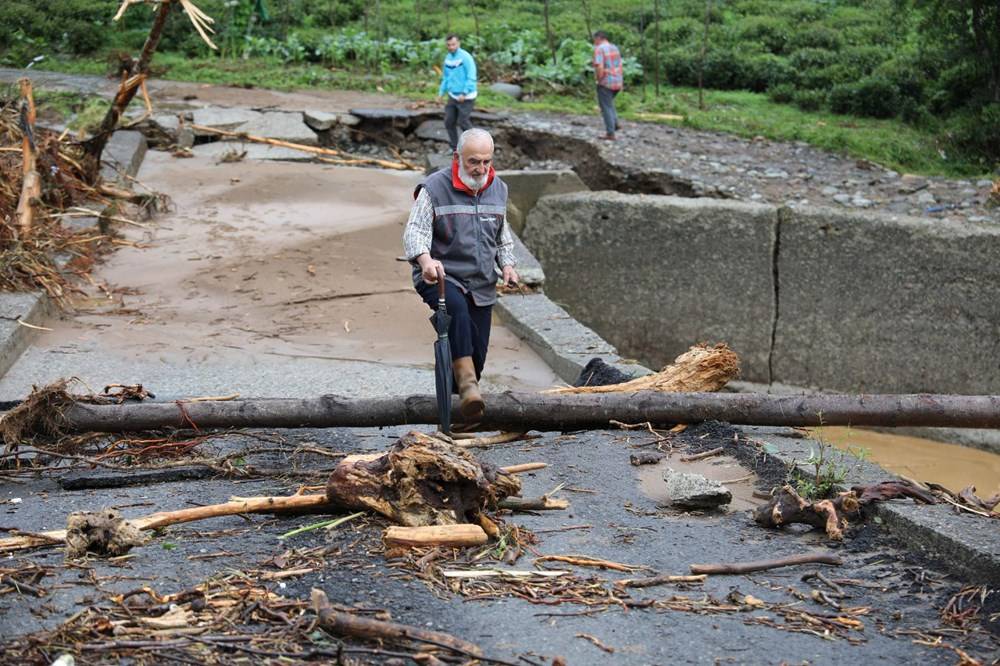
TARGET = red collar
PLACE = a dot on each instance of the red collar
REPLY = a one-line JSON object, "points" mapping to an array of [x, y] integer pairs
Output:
{"points": [[457, 183]]}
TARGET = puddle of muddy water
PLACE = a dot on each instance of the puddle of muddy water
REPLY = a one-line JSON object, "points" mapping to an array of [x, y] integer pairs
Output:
{"points": [[725, 469], [950, 465]]}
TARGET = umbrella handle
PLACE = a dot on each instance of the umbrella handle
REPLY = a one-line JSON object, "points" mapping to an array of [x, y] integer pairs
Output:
{"points": [[440, 274]]}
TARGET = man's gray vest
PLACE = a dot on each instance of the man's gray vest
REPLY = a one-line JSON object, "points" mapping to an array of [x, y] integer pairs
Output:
{"points": [[466, 234]]}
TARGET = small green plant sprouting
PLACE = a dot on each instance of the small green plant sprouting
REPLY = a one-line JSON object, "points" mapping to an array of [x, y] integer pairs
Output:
{"points": [[827, 473]]}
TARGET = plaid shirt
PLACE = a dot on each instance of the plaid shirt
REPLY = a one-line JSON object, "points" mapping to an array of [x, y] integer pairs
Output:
{"points": [[607, 56], [419, 232]]}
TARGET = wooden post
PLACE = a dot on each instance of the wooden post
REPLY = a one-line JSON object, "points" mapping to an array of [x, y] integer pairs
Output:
{"points": [[31, 185], [656, 47], [701, 59], [548, 30]]}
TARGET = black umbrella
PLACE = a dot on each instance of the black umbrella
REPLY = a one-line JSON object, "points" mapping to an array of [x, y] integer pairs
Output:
{"points": [[442, 358]]}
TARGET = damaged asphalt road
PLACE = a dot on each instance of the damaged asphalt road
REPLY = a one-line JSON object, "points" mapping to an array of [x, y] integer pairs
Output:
{"points": [[892, 611]]}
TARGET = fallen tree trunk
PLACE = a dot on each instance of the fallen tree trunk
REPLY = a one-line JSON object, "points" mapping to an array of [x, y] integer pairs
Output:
{"points": [[521, 411]]}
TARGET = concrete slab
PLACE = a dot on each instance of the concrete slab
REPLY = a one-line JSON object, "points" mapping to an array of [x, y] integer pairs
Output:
{"points": [[562, 342], [281, 125], [225, 118], [526, 186], [254, 151], [528, 268], [322, 121], [656, 274], [123, 154], [432, 130], [32, 308], [878, 303]]}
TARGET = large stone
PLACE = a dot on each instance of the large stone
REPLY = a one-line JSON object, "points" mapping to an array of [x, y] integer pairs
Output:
{"points": [[694, 491], [432, 130], [123, 155], [528, 268], [281, 125], [525, 187], [323, 121], [435, 162], [655, 274], [509, 89], [878, 303]]}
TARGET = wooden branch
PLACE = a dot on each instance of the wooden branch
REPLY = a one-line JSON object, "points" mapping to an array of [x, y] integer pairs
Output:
{"points": [[524, 467], [31, 184], [500, 438], [238, 505], [516, 411], [449, 536], [763, 565], [346, 624], [543, 503], [346, 158], [653, 581], [586, 561], [703, 454]]}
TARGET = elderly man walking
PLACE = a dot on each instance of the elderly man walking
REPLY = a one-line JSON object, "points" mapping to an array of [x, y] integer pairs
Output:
{"points": [[610, 78], [458, 82], [458, 223]]}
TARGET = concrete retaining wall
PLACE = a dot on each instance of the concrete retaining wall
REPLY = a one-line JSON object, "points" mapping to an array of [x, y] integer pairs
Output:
{"points": [[812, 297], [656, 274]]}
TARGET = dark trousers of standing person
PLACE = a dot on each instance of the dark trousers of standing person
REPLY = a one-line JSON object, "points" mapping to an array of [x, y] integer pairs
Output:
{"points": [[457, 113], [606, 100], [469, 333]]}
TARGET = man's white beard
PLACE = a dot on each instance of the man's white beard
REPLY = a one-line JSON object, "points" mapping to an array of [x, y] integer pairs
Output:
{"points": [[470, 181]]}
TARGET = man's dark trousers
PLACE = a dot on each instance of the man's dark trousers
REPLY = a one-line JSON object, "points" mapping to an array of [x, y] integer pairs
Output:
{"points": [[469, 333], [457, 113]]}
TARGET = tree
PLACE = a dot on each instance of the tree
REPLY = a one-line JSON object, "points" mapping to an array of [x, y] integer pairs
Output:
{"points": [[969, 31]]}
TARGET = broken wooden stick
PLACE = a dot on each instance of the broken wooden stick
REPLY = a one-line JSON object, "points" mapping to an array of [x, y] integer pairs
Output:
{"points": [[448, 536], [346, 624], [500, 438], [543, 503], [238, 505], [517, 411], [665, 579], [524, 467], [316, 150], [764, 565], [587, 561], [31, 184], [704, 454]]}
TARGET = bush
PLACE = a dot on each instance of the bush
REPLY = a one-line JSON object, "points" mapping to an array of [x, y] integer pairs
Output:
{"points": [[816, 37], [872, 96], [806, 59], [676, 31], [766, 70], [809, 100], [974, 134], [771, 32], [783, 93]]}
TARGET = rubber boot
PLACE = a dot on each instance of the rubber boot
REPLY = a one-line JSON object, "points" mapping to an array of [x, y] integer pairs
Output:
{"points": [[470, 399]]}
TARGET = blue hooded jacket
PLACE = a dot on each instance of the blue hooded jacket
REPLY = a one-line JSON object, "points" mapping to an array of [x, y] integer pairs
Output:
{"points": [[458, 75]]}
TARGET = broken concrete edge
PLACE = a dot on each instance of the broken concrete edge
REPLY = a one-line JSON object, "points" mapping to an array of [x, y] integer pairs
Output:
{"points": [[977, 438], [123, 154], [961, 543]]}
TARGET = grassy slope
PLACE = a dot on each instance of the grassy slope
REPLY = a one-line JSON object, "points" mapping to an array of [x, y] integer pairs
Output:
{"points": [[887, 142]]}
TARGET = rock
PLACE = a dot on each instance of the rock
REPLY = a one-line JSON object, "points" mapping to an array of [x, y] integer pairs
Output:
{"points": [[926, 198], [281, 125], [861, 202], [323, 121], [432, 130], [842, 198], [435, 162], [909, 184], [829, 191], [508, 89], [694, 491], [984, 183], [775, 173]]}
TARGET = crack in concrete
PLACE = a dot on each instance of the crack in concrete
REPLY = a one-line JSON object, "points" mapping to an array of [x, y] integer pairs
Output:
{"points": [[775, 286]]}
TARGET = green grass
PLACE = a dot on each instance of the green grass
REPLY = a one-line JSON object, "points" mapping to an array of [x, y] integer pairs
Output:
{"points": [[890, 143]]}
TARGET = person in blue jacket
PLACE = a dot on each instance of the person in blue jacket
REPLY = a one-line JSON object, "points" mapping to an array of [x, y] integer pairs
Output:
{"points": [[458, 82]]}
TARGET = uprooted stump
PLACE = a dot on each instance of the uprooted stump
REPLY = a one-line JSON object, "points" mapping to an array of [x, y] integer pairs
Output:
{"points": [[104, 532], [787, 506], [421, 480]]}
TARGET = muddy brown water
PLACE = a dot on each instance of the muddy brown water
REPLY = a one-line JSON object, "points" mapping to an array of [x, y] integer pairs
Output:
{"points": [[273, 258], [725, 469], [950, 465]]}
